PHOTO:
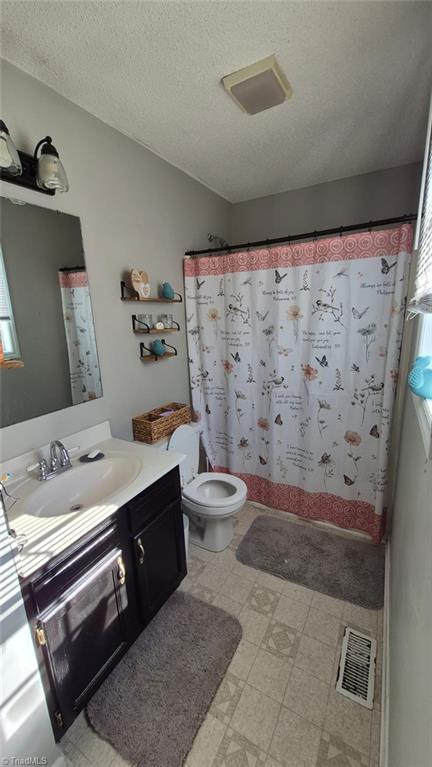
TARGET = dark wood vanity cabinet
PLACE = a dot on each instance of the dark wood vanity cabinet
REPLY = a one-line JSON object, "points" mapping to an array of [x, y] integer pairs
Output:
{"points": [[90, 603], [160, 560]]}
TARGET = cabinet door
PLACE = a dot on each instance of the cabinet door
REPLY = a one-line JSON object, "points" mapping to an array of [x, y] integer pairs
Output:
{"points": [[160, 559], [83, 634], [145, 507]]}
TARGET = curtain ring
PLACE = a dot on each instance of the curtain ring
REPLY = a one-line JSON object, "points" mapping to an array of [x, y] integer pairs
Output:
{"points": [[341, 231]]}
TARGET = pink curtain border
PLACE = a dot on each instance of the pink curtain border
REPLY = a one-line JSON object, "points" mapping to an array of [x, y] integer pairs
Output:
{"points": [[321, 507], [384, 243], [73, 279]]}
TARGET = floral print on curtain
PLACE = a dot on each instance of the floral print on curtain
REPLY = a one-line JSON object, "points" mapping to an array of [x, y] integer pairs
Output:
{"points": [[293, 355], [84, 369]]}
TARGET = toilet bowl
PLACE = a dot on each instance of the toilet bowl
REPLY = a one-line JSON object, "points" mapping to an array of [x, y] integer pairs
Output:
{"points": [[210, 499]]}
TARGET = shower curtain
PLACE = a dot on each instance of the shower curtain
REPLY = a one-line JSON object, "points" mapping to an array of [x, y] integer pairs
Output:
{"points": [[84, 370], [293, 356]]}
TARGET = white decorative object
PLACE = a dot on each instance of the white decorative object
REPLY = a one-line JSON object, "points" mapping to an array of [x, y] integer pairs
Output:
{"points": [[140, 283]]}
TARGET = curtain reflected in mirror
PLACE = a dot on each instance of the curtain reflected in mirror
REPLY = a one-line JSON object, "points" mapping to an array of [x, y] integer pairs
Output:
{"points": [[84, 370], [48, 352]]}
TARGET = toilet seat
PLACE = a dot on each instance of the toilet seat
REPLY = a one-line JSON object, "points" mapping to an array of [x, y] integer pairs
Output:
{"points": [[215, 490]]}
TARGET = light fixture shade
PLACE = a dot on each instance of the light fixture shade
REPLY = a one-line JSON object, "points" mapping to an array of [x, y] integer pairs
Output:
{"points": [[51, 174], [50, 171], [9, 157]]}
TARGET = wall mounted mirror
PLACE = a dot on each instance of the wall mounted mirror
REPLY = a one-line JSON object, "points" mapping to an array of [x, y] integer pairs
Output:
{"points": [[48, 359]]}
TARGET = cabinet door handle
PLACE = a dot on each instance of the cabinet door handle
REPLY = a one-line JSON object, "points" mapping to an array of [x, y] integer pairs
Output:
{"points": [[40, 634], [121, 575], [141, 551]]}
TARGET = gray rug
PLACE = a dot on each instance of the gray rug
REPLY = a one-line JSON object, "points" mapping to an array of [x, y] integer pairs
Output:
{"points": [[322, 561], [152, 704]]}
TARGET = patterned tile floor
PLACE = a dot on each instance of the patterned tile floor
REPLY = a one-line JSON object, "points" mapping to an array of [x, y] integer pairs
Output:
{"points": [[277, 705]]}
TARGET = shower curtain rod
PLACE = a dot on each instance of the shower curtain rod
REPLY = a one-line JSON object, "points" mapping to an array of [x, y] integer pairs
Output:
{"points": [[306, 235]]}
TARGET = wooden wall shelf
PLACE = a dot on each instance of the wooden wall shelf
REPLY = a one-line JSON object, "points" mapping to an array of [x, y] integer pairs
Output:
{"points": [[155, 358], [150, 357], [149, 300], [155, 332], [140, 328]]}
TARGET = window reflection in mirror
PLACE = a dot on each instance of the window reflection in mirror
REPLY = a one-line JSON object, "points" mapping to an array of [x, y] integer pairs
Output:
{"points": [[48, 354], [9, 349]]}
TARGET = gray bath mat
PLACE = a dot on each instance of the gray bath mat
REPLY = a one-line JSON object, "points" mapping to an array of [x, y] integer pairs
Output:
{"points": [[322, 561], [152, 704]]}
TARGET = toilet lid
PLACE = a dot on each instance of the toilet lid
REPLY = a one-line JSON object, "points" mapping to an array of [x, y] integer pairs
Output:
{"points": [[186, 440]]}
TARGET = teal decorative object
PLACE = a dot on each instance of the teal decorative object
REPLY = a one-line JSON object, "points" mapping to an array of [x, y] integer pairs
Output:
{"points": [[158, 348], [420, 377], [167, 291]]}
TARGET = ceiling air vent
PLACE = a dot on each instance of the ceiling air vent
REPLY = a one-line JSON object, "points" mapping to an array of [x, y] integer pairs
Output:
{"points": [[356, 675], [259, 86]]}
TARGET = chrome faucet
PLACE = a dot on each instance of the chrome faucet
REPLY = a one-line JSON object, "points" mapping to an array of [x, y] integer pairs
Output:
{"points": [[59, 457], [59, 462]]}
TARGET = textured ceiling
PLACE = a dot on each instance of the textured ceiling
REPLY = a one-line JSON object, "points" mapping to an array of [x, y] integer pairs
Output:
{"points": [[360, 73]]}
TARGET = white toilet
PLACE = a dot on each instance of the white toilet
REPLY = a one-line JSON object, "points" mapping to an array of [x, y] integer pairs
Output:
{"points": [[210, 499]]}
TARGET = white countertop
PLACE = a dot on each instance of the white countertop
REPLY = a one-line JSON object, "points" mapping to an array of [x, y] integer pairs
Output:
{"points": [[50, 535]]}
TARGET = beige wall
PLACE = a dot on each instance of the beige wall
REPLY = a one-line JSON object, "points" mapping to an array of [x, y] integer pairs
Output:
{"points": [[382, 194], [410, 629], [135, 210]]}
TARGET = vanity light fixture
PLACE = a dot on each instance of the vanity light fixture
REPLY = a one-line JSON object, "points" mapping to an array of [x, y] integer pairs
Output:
{"points": [[44, 174], [9, 157]]}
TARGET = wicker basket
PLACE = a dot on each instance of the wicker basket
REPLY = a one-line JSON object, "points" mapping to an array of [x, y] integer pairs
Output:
{"points": [[152, 426]]}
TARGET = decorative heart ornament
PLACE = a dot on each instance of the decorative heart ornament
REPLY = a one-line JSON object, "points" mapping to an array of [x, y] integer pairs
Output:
{"points": [[140, 283]]}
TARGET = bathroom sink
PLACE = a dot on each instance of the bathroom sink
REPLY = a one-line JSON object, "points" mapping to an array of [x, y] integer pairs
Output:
{"points": [[83, 486]]}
